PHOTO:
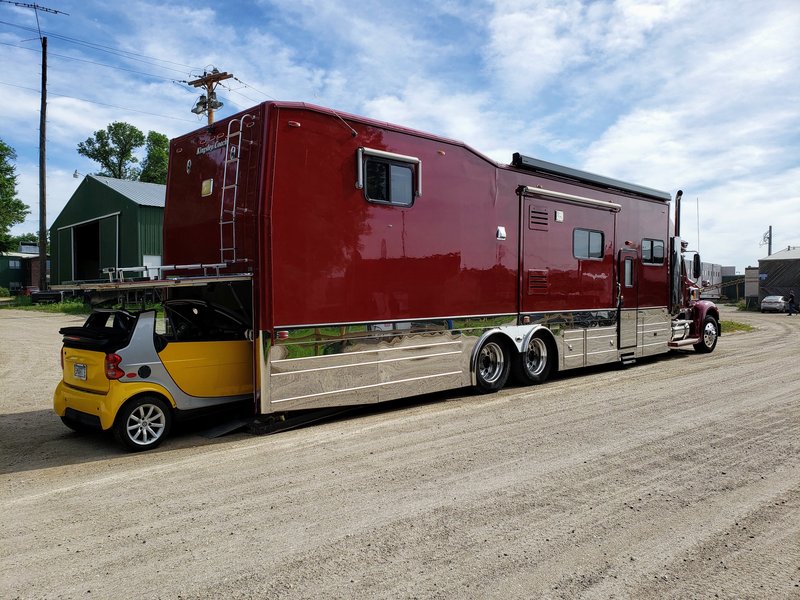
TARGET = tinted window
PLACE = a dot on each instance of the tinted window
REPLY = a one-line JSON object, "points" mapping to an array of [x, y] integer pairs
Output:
{"points": [[653, 252], [389, 182], [587, 243]]}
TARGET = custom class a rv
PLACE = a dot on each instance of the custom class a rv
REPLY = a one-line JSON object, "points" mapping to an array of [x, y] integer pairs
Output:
{"points": [[364, 262]]}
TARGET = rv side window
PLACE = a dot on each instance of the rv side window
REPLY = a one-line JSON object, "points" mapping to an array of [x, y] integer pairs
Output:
{"points": [[628, 272], [587, 243], [653, 252], [389, 182]]}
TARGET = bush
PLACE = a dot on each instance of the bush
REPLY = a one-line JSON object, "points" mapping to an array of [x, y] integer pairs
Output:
{"points": [[4, 293]]}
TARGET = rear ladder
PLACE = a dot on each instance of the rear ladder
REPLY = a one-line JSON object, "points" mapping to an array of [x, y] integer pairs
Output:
{"points": [[230, 188]]}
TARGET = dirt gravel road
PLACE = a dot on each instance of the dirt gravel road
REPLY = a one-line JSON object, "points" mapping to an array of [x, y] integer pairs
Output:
{"points": [[676, 478]]}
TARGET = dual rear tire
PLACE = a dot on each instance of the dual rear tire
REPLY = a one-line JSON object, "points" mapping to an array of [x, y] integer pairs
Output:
{"points": [[497, 359]]}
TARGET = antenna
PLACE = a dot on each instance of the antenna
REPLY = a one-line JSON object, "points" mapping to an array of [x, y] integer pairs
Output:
{"points": [[338, 116]]}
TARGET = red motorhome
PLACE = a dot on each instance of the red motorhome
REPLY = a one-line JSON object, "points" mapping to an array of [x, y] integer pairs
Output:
{"points": [[315, 260], [381, 262]]}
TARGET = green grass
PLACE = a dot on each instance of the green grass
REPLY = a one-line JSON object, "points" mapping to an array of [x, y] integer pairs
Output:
{"points": [[731, 326], [74, 307]]}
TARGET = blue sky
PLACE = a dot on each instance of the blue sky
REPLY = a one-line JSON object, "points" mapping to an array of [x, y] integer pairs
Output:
{"points": [[702, 96]]}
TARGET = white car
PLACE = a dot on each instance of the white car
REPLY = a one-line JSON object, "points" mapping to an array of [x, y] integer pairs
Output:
{"points": [[774, 304]]}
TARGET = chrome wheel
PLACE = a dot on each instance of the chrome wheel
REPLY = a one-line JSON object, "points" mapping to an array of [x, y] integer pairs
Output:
{"points": [[535, 362], [491, 363], [709, 335], [536, 357], [491, 366]]}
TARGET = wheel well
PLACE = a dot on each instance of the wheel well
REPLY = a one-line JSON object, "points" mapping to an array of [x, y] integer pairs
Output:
{"points": [[713, 313], [138, 395], [510, 346], [501, 338]]}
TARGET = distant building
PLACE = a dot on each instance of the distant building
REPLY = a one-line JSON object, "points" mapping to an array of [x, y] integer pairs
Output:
{"points": [[733, 287], [107, 223], [20, 270], [710, 278], [779, 273]]}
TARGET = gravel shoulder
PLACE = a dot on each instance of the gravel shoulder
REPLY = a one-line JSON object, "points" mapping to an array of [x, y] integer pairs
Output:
{"points": [[675, 478]]}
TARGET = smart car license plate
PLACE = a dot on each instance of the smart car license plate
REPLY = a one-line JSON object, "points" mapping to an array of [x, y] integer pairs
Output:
{"points": [[79, 371]]}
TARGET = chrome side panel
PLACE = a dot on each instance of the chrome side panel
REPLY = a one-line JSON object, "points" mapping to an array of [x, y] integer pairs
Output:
{"points": [[342, 365], [628, 328], [584, 338], [262, 345], [655, 331], [601, 346], [573, 349]]}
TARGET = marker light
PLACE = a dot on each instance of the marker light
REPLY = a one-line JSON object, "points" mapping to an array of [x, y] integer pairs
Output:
{"points": [[112, 366]]}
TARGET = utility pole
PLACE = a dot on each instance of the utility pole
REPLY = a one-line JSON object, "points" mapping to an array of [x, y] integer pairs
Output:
{"points": [[43, 174], [769, 248], [208, 102], [42, 144], [766, 240]]}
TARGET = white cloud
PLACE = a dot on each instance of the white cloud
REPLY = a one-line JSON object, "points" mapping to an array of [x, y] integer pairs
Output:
{"points": [[665, 93]]}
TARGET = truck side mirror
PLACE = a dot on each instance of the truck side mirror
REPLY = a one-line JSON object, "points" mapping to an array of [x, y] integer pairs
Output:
{"points": [[696, 269]]}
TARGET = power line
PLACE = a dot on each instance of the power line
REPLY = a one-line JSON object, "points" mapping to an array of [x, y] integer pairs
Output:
{"points": [[91, 62], [110, 50], [100, 103], [254, 89]]}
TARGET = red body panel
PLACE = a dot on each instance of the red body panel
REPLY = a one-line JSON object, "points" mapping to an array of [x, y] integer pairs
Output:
{"points": [[322, 254]]}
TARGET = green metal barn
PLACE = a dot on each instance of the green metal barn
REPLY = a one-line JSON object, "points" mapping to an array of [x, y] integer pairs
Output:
{"points": [[107, 223]]}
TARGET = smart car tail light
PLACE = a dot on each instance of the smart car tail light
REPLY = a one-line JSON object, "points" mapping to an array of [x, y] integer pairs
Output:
{"points": [[112, 366]]}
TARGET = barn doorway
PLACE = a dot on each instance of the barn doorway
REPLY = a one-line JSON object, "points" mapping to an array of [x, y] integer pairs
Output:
{"points": [[86, 250]]}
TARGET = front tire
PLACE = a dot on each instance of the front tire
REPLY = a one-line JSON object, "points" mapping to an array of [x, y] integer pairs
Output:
{"points": [[143, 423], [708, 335], [491, 367], [534, 363]]}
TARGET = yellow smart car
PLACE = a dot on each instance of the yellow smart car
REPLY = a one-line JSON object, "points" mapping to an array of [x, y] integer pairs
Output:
{"points": [[135, 372]]}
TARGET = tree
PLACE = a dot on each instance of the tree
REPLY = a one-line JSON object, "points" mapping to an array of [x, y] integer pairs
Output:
{"points": [[154, 167], [113, 148], [12, 209]]}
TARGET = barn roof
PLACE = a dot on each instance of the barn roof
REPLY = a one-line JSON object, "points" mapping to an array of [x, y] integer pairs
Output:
{"points": [[144, 194]]}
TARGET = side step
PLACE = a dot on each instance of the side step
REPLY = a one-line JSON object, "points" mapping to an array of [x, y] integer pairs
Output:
{"points": [[628, 359], [682, 343]]}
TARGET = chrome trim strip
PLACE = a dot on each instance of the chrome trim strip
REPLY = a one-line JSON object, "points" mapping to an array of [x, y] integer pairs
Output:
{"points": [[407, 320], [364, 387], [384, 361], [395, 349]]}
